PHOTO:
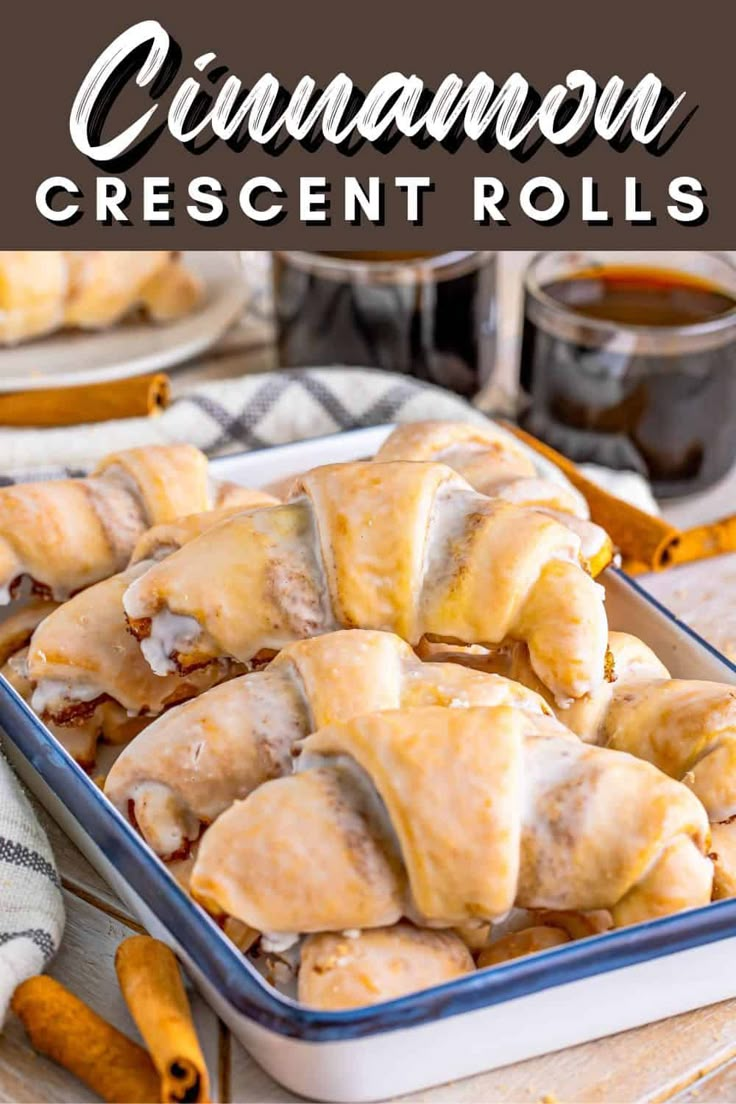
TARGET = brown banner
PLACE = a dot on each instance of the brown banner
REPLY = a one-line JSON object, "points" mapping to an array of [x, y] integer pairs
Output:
{"points": [[676, 191]]}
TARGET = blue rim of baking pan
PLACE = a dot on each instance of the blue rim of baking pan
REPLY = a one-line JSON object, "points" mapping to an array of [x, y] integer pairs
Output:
{"points": [[246, 991], [239, 983]]}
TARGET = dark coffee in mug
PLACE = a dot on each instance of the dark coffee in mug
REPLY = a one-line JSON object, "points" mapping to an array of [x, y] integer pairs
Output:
{"points": [[427, 315], [634, 366]]}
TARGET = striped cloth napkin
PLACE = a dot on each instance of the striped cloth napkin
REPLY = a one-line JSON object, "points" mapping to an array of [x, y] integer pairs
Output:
{"points": [[233, 415], [31, 907]]}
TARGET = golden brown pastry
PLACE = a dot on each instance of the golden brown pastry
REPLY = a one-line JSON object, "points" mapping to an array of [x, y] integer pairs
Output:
{"points": [[522, 943], [82, 657], [18, 627], [685, 727], [108, 722], [33, 288], [354, 969], [403, 547], [43, 291], [453, 815], [196, 760], [495, 464], [67, 534], [161, 540], [629, 661], [529, 931]]}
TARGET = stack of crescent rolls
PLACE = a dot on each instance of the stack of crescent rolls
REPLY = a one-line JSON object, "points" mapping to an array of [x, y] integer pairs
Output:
{"points": [[380, 729]]}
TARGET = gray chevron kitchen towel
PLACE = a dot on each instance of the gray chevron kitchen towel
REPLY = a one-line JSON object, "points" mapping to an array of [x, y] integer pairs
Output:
{"points": [[228, 416], [31, 908]]}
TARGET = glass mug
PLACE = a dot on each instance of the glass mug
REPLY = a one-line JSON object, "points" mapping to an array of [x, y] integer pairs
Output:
{"points": [[629, 360], [432, 316]]}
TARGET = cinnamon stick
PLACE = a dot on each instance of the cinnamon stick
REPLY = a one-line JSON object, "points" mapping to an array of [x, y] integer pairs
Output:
{"points": [[643, 540], [702, 541], [63, 1027], [150, 981], [135, 397]]}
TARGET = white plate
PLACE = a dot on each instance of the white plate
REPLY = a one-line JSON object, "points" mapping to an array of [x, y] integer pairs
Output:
{"points": [[136, 345]]}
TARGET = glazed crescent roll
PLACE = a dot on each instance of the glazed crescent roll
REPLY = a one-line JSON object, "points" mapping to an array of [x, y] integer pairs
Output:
{"points": [[82, 656], [454, 815], [360, 968], [628, 660], [403, 547], [685, 727], [108, 722], [495, 464], [196, 760], [67, 534], [481, 454]]}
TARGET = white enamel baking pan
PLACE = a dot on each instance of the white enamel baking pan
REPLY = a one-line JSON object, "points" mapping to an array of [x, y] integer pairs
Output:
{"points": [[556, 999]]}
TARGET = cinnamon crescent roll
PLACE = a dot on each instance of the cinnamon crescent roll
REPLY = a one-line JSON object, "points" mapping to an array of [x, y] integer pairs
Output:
{"points": [[402, 547], [66, 534], [33, 290], [82, 657], [196, 760], [454, 815], [359, 968], [494, 463], [108, 721], [685, 727]]}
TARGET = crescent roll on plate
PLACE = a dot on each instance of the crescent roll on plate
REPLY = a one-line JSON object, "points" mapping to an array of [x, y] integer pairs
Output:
{"points": [[495, 464], [404, 547], [448, 816], [64, 535], [196, 760], [82, 657], [44, 291]]}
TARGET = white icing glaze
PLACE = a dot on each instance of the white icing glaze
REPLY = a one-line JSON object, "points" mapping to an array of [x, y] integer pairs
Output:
{"points": [[170, 633], [49, 694], [132, 603], [453, 502], [544, 494], [592, 536], [278, 942]]}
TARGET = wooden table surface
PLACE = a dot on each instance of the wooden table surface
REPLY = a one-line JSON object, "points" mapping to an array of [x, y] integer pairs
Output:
{"points": [[687, 1058]]}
